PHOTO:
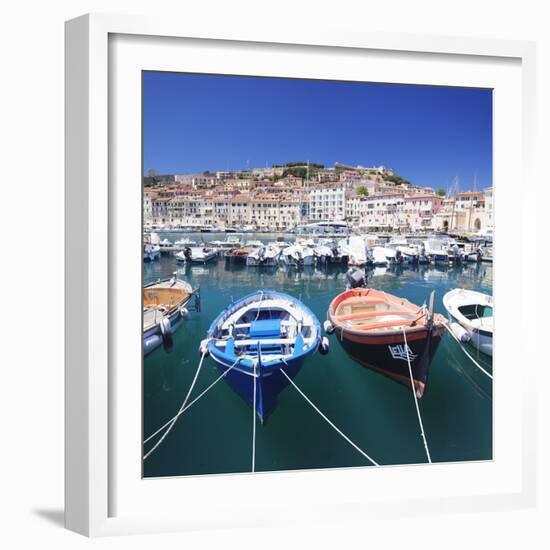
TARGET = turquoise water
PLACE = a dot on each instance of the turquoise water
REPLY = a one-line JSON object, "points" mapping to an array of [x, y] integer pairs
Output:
{"points": [[215, 434]]}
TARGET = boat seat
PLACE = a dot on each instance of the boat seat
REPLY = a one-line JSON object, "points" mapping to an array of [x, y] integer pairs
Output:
{"points": [[367, 327], [353, 300], [266, 329], [368, 314]]}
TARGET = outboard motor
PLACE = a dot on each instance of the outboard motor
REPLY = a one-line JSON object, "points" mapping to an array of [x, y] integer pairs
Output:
{"points": [[261, 255], [369, 256], [334, 253], [355, 278], [187, 253], [456, 253], [479, 255], [398, 257]]}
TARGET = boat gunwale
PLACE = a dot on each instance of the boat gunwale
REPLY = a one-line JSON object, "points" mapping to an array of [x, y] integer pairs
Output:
{"points": [[174, 308], [376, 333], [226, 360]]}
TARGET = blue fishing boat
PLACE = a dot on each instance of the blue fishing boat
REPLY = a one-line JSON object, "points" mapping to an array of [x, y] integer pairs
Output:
{"points": [[260, 338]]}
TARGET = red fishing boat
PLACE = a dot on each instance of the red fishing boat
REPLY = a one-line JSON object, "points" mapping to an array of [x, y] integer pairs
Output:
{"points": [[387, 334]]}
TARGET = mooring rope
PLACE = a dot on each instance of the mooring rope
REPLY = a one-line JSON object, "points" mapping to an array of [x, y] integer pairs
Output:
{"points": [[466, 352], [191, 403], [326, 419], [254, 420], [415, 398], [173, 421], [184, 408]]}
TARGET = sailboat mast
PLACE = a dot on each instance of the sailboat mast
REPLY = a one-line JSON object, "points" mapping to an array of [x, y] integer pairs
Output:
{"points": [[454, 190]]}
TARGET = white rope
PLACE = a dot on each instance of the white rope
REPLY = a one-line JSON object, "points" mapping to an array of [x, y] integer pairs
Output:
{"points": [[192, 402], [466, 352], [173, 421], [254, 422], [414, 395], [327, 420]]}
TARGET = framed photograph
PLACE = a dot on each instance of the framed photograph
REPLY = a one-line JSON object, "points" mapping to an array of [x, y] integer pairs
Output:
{"points": [[281, 275]]}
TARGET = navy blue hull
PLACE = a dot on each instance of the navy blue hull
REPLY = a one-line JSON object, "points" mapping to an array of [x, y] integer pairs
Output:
{"points": [[270, 382]]}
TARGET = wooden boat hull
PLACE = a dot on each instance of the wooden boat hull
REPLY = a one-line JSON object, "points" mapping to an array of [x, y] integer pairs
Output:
{"points": [[174, 311], [259, 355], [152, 338], [387, 354], [385, 333], [270, 382]]}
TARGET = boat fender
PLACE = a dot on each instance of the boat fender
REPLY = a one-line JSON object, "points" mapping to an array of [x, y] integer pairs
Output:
{"points": [[328, 326], [184, 312], [460, 332], [324, 346], [166, 331], [203, 347]]}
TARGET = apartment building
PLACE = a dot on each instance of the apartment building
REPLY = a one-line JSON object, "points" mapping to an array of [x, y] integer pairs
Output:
{"points": [[327, 203]]}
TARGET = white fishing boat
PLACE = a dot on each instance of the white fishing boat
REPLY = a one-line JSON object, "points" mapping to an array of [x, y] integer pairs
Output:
{"points": [[356, 251], [305, 242], [323, 254], [487, 254], [409, 253], [382, 256], [437, 250], [297, 256], [232, 241], [264, 256], [184, 242], [198, 254], [165, 245], [473, 312], [151, 252]]}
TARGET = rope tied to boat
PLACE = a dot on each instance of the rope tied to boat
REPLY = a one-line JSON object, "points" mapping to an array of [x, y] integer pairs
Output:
{"points": [[460, 345], [415, 398], [330, 423], [185, 406], [254, 417], [173, 421]]}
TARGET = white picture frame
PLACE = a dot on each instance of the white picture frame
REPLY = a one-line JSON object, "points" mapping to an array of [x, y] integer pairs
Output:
{"points": [[93, 397]]}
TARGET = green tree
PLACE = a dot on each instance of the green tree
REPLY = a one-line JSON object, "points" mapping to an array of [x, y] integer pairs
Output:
{"points": [[441, 192], [362, 191], [298, 171], [151, 173]]}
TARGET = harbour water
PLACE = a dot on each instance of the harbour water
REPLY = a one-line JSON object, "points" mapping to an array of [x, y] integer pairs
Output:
{"points": [[215, 435]]}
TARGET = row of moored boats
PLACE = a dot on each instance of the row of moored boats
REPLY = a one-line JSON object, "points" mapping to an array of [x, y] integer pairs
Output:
{"points": [[259, 342], [361, 251]]}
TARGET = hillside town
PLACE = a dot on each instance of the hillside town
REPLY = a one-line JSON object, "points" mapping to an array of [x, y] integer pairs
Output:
{"points": [[284, 197]]}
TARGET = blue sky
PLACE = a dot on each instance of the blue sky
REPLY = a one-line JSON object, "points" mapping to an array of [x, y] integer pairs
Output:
{"points": [[427, 134]]}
